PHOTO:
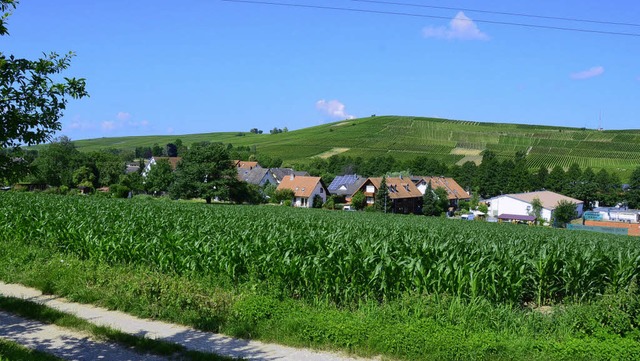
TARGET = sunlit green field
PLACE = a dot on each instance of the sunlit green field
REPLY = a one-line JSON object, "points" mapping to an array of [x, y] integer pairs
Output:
{"points": [[408, 137]]}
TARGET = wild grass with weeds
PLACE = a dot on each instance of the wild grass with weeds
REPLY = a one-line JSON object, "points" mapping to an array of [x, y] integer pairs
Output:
{"points": [[11, 351]]}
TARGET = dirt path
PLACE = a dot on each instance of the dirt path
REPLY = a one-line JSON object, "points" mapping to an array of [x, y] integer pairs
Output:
{"points": [[182, 335], [61, 342]]}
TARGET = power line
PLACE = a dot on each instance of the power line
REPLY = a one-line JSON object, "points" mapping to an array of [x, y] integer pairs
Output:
{"points": [[498, 13], [380, 12]]}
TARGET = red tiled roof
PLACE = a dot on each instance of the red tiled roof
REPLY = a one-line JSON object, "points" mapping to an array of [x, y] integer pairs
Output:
{"points": [[301, 186], [173, 161], [398, 187], [454, 190], [246, 164]]}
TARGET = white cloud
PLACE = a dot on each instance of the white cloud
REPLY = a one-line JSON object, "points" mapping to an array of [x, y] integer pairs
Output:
{"points": [[108, 125], [586, 74], [123, 116], [123, 121], [461, 27], [77, 123], [333, 108]]}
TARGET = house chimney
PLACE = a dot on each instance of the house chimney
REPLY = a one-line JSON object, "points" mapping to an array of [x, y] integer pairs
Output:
{"points": [[291, 176]]}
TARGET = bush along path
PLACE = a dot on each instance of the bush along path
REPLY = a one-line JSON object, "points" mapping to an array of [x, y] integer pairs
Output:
{"points": [[16, 329]]}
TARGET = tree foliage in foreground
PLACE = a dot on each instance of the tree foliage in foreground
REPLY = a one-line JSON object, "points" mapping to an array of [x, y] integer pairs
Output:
{"points": [[32, 102], [160, 177]]}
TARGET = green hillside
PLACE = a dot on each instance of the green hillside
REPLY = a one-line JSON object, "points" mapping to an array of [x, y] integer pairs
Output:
{"points": [[404, 137]]}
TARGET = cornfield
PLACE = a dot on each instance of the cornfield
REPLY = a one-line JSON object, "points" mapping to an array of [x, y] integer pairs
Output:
{"points": [[342, 257]]}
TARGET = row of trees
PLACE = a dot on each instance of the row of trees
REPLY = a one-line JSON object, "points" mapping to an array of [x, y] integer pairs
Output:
{"points": [[493, 176], [61, 164], [206, 171]]}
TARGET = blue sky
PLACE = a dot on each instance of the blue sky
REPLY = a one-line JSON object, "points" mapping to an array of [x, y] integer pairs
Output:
{"points": [[194, 66]]}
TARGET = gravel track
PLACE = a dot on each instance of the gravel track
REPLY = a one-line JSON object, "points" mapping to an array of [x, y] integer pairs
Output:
{"points": [[188, 337], [62, 342]]}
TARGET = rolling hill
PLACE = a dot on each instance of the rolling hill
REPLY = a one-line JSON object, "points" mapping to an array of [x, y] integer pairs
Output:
{"points": [[405, 137]]}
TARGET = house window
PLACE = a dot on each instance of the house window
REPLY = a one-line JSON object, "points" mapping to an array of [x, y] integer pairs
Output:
{"points": [[321, 190], [371, 189], [370, 200]]}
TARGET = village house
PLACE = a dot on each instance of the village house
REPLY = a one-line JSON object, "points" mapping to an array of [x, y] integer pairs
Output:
{"points": [[518, 207], [455, 193], [405, 198], [345, 185], [280, 173], [305, 189], [173, 161], [246, 164], [258, 176]]}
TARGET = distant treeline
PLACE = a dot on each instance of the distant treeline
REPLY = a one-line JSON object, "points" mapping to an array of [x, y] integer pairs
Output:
{"points": [[492, 177], [61, 164]]}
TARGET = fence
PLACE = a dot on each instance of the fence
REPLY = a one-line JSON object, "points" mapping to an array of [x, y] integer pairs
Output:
{"points": [[611, 230]]}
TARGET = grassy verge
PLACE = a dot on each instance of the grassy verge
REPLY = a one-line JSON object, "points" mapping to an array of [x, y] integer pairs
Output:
{"points": [[413, 327], [48, 315], [11, 351]]}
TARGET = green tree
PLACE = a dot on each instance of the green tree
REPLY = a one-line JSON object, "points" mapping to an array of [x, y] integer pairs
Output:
{"points": [[358, 201], [442, 199], [157, 150], [572, 180], [536, 209], [520, 177], [468, 174], [134, 181], [586, 188], [382, 202], [31, 102], [634, 180], [109, 167], [632, 196], [206, 171], [160, 177], [430, 202], [539, 179], [475, 199], [556, 179], [84, 177], [57, 162], [247, 193], [317, 201], [565, 211], [171, 150], [282, 195], [489, 174]]}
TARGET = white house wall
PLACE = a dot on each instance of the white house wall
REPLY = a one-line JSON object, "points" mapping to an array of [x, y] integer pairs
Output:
{"points": [[308, 202], [507, 205]]}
